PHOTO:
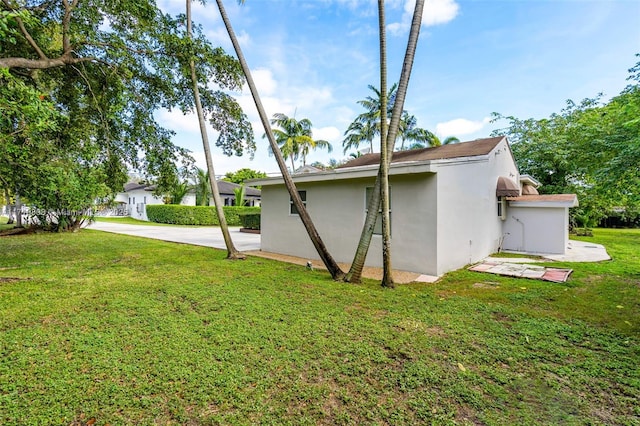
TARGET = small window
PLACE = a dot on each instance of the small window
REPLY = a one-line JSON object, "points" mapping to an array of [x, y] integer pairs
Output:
{"points": [[502, 207], [377, 229], [134, 200], [292, 208], [145, 199]]}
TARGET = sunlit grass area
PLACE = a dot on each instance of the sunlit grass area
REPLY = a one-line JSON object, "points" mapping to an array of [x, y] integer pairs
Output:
{"points": [[3, 223], [127, 330]]}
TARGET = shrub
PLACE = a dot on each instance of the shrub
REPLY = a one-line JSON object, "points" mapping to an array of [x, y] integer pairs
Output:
{"points": [[195, 215], [250, 220]]}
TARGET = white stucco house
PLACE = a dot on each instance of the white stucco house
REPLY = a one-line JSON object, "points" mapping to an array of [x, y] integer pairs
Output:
{"points": [[252, 196], [135, 198], [450, 206]]}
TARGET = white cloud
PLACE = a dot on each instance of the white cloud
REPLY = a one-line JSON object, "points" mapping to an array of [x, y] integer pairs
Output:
{"points": [[331, 134], [438, 12], [177, 121], [460, 127], [435, 12], [266, 84]]}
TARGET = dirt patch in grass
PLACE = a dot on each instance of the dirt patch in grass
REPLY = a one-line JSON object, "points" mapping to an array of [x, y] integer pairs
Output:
{"points": [[486, 285], [18, 231], [12, 279], [399, 277]]}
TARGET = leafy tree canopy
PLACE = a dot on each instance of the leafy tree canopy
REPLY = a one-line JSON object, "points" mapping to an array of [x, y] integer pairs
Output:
{"points": [[591, 148], [80, 82], [240, 176]]}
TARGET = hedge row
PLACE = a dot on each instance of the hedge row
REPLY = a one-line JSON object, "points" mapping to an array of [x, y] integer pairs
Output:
{"points": [[195, 215], [250, 220]]}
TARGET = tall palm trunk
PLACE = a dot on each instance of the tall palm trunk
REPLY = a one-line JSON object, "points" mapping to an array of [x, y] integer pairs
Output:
{"points": [[355, 272], [387, 275], [326, 257], [232, 252]]}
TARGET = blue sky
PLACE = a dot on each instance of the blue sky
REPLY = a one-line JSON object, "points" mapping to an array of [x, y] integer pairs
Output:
{"points": [[315, 58]]}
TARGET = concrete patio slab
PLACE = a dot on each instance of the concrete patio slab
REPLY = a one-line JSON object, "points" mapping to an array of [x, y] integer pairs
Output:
{"points": [[208, 236], [523, 270], [577, 251]]}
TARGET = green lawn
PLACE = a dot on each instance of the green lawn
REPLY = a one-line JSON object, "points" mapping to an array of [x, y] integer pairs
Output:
{"points": [[126, 330], [3, 223]]}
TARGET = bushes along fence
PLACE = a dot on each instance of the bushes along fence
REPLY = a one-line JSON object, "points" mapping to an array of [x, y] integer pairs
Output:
{"points": [[196, 215]]}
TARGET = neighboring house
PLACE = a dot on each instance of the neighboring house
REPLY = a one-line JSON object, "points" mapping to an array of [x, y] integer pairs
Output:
{"points": [[136, 196], [450, 206], [227, 193]]}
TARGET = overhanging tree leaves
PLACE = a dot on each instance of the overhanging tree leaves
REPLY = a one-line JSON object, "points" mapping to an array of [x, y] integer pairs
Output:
{"points": [[591, 148], [106, 67]]}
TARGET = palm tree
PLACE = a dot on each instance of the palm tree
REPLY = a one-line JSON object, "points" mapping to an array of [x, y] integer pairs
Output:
{"points": [[202, 187], [409, 131], [366, 126], [355, 272], [232, 252], [448, 140], [240, 194], [359, 132], [178, 192], [385, 156], [327, 259], [295, 138]]}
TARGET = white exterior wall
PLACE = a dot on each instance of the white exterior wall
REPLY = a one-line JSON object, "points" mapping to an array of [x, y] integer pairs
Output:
{"points": [[469, 228], [189, 199], [137, 201], [338, 212], [121, 197], [537, 229]]}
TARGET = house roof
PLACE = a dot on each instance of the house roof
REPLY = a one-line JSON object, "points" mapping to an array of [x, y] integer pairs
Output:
{"points": [[133, 186], [227, 188], [404, 162], [454, 150], [224, 187], [545, 200]]}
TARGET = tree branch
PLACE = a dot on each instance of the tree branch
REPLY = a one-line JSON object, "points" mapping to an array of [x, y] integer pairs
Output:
{"points": [[26, 34], [66, 44], [42, 64]]}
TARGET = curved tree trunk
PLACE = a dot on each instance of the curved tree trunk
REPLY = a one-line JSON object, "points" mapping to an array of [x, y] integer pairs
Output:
{"points": [[355, 273], [387, 275], [232, 252], [326, 257]]}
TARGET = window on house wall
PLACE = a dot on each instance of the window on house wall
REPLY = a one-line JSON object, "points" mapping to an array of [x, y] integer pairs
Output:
{"points": [[129, 200], [145, 199], [377, 229], [502, 208], [134, 200], [292, 208]]}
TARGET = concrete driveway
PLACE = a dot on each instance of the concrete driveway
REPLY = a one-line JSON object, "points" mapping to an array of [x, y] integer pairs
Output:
{"points": [[200, 236]]}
